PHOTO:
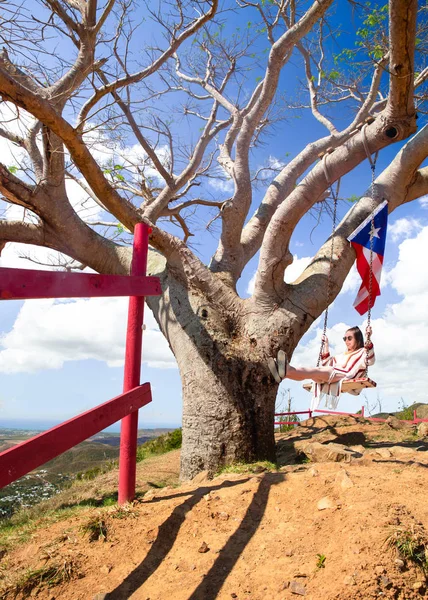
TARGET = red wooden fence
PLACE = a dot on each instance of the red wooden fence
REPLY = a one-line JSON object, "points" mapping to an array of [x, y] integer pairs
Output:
{"points": [[27, 284], [310, 412]]}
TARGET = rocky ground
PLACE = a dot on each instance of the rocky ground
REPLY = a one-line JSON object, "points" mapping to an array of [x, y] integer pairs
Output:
{"points": [[345, 517]]}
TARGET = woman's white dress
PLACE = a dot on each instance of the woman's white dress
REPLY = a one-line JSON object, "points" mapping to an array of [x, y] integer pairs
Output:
{"points": [[350, 365]]}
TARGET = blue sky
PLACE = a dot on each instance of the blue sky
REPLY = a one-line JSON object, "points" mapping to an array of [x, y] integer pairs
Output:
{"points": [[59, 358]]}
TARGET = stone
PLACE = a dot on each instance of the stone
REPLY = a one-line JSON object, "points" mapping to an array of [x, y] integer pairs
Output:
{"points": [[297, 588], [331, 452], [418, 585], [395, 423], [201, 477], [358, 448], [105, 569], [326, 503], [349, 580], [379, 570], [288, 553], [204, 548], [313, 472], [383, 452], [343, 480], [149, 495], [387, 583], [422, 430], [399, 563], [101, 596]]}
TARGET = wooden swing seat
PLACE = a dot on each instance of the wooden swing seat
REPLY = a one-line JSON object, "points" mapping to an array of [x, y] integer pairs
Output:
{"points": [[350, 384]]}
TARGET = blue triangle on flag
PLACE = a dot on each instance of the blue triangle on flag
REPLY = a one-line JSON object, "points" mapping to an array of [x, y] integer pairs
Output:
{"points": [[363, 232]]}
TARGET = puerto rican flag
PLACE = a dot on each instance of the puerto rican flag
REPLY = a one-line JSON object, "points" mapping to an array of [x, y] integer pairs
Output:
{"points": [[360, 240]]}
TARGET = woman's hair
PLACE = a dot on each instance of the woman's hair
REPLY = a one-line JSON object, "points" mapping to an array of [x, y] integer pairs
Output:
{"points": [[358, 336]]}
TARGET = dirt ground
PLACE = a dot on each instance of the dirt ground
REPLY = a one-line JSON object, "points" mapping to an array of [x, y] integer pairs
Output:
{"points": [[317, 530]]}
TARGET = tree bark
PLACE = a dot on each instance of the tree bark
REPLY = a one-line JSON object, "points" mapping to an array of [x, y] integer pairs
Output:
{"points": [[228, 412]]}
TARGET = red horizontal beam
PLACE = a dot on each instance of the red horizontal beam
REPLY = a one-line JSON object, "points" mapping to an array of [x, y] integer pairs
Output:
{"points": [[24, 457], [25, 284], [335, 412], [299, 412]]}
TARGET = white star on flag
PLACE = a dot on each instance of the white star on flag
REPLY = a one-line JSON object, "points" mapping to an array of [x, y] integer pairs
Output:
{"points": [[374, 232]]}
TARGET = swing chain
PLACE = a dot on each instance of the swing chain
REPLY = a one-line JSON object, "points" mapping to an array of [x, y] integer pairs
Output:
{"points": [[335, 196], [369, 311]]}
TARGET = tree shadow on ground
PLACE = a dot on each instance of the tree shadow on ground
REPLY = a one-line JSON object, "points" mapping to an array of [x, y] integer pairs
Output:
{"points": [[209, 587]]}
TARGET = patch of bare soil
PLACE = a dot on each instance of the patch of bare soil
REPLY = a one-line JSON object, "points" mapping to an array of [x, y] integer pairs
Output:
{"points": [[337, 528]]}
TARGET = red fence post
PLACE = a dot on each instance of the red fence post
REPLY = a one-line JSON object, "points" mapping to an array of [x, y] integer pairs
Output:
{"points": [[415, 418], [131, 379], [362, 412]]}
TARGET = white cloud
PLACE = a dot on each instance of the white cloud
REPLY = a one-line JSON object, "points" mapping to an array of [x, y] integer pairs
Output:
{"points": [[226, 186], [409, 276], [423, 201], [403, 228], [48, 333], [275, 163], [17, 256]]}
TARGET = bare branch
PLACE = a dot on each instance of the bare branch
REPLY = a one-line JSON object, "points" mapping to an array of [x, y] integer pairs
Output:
{"points": [[156, 64]]}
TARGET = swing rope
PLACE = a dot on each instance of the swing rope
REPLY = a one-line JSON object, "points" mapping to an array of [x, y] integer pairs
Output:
{"points": [[373, 206], [335, 196]]}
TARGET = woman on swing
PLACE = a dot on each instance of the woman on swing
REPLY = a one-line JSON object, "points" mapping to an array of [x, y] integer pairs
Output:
{"points": [[328, 377]]}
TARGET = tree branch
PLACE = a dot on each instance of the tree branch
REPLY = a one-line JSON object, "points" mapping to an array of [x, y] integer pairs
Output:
{"points": [[19, 231], [402, 34], [229, 255], [83, 159], [156, 64]]}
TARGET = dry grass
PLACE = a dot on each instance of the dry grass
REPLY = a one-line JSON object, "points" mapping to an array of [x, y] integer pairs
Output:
{"points": [[45, 577]]}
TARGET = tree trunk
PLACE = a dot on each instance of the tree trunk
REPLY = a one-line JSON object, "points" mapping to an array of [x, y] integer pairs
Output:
{"points": [[228, 413], [228, 394]]}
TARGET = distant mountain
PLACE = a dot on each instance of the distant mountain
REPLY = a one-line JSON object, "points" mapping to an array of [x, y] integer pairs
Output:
{"points": [[82, 457], [407, 413]]}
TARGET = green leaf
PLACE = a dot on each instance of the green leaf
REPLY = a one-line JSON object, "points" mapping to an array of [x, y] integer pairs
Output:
{"points": [[364, 32], [13, 169]]}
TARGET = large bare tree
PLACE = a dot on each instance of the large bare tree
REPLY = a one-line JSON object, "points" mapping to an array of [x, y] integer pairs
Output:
{"points": [[76, 74]]}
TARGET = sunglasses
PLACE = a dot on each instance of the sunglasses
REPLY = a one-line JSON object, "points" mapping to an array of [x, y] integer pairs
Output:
{"points": [[348, 337]]}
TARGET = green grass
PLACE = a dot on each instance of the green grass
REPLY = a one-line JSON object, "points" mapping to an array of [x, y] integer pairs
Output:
{"points": [[411, 545], [160, 445], [45, 577], [95, 528], [321, 558], [256, 467]]}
